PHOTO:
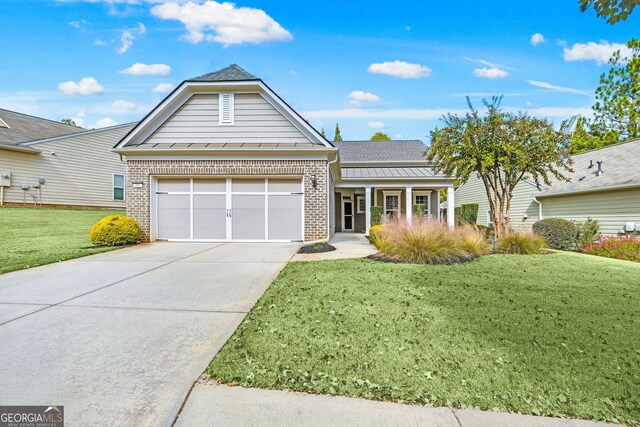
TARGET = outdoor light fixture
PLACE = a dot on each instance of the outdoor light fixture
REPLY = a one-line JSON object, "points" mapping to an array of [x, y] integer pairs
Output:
{"points": [[314, 180]]}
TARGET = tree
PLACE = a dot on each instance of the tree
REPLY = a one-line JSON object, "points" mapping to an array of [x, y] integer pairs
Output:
{"points": [[68, 122], [613, 10], [323, 134], [617, 107], [336, 135], [380, 136], [503, 149], [584, 140]]}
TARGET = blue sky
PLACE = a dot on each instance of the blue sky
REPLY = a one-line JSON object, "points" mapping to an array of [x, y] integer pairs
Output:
{"points": [[392, 66]]}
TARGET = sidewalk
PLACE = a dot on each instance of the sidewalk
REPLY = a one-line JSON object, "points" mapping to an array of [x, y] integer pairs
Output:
{"points": [[348, 245], [221, 405]]}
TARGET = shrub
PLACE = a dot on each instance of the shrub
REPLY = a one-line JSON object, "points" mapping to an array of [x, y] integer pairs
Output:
{"points": [[115, 230], [520, 243], [373, 233], [557, 232], [431, 242], [467, 213], [587, 232], [626, 247], [418, 209], [376, 215]]}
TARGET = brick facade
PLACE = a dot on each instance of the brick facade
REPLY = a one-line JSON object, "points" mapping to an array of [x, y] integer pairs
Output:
{"points": [[315, 199]]}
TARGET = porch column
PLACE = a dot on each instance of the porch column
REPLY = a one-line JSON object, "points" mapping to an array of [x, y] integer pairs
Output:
{"points": [[409, 204], [438, 210], [367, 210], [451, 210]]}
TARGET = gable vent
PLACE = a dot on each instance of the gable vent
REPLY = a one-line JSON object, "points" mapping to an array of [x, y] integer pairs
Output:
{"points": [[225, 109]]}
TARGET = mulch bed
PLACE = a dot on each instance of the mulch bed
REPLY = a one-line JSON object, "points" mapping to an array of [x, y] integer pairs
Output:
{"points": [[316, 248], [380, 257]]}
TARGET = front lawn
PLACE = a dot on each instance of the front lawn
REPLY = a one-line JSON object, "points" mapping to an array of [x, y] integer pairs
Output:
{"points": [[37, 236], [554, 334]]}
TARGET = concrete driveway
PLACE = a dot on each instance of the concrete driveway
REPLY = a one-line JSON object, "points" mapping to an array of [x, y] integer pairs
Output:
{"points": [[119, 338]]}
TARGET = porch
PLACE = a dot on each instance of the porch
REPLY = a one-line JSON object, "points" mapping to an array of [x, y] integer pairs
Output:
{"points": [[353, 204]]}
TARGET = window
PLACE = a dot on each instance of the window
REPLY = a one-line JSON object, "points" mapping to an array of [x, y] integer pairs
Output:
{"points": [[423, 198], [392, 203], [489, 219], [362, 204], [118, 187], [225, 109]]}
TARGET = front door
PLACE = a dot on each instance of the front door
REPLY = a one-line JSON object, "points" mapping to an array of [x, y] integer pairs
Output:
{"points": [[347, 216]]}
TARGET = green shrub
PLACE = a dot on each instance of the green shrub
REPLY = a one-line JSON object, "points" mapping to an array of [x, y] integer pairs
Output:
{"points": [[430, 242], [587, 232], [520, 243], [418, 209], [467, 213], [626, 247], [376, 215], [115, 230], [557, 232], [373, 233]]}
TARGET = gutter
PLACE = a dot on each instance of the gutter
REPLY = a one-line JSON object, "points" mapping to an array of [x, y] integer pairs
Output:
{"points": [[20, 148], [535, 200], [591, 190]]}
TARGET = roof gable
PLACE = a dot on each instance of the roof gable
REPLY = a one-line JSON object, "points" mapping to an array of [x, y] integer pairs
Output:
{"points": [[232, 72]]}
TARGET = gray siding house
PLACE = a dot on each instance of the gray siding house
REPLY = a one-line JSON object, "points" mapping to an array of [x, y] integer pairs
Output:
{"points": [[48, 163], [604, 185], [224, 158]]}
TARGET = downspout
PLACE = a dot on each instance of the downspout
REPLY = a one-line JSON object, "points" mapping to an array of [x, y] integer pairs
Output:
{"points": [[329, 196], [535, 199]]}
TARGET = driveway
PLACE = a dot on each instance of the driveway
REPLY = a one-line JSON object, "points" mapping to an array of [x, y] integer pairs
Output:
{"points": [[119, 338]]}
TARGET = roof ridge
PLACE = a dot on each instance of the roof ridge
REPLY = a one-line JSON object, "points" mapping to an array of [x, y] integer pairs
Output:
{"points": [[40, 118], [232, 72], [85, 132]]}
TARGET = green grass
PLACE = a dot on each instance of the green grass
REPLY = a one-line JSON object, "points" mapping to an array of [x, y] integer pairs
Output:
{"points": [[31, 237], [555, 334]]}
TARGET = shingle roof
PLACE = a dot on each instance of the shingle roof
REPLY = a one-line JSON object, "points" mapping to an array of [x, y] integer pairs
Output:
{"points": [[23, 128], [619, 166], [381, 151], [231, 73]]}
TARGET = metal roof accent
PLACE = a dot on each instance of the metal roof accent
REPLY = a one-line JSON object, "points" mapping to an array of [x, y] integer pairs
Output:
{"points": [[389, 173]]}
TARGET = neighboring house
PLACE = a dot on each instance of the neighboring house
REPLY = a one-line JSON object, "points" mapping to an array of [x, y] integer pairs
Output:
{"points": [[43, 162], [223, 157], [604, 185]]}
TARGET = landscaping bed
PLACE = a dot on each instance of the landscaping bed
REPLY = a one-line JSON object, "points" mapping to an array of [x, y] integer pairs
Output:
{"points": [[38, 236], [554, 335]]}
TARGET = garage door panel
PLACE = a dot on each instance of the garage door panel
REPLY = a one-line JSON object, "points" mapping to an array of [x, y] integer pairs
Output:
{"points": [[174, 216], [177, 185], [290, 185], [247, 217], [285, 217], [209, 216], [247, 185], [210, 185]]}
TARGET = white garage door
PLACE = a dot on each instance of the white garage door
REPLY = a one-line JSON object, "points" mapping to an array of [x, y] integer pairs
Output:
{"points": [[254, 209]]}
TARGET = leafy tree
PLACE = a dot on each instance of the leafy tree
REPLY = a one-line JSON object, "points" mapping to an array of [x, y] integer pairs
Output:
{"points": [[584, 140], [337, 136], [612, 10], [322, 133], [617, 107], [503, 149], [380, 136], [68, 122]]}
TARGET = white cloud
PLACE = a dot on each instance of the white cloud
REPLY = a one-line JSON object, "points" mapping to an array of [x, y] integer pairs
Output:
{"points": [[357, 97], [376, 125], [122, 104], [78, 24], [127, 37], [223, 22], [86, 86], [99, 42], [400, 69], [397, 135], [163, 88], [78, 119], [139, 69], [599, 52], [105, 122], [537, 38], [490, 73], [555, 88]]}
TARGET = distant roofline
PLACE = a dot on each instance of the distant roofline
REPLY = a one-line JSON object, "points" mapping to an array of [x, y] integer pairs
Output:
{"points": [[589, 190], [54, 138], [391, 140], [40, 118], [606, 147]]}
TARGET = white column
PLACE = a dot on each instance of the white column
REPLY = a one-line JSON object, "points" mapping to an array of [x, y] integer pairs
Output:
{"points": [[451, 211], [367, 210], [409, 204], [438, 204]]}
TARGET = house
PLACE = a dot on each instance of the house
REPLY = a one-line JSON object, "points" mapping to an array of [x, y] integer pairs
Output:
{"points": [[223, 157], [43, 162], [604, 185]]}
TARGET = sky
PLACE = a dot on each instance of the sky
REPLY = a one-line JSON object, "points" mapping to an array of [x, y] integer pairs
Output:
{"points": [[372, 66]]}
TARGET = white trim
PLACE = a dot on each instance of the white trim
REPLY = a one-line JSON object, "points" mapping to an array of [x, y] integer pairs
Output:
{"points": [[386, 193], [451, 210], [408, 205], [423, 193], [124, 187], [206, 155], [191, 210], [371, 183], [360, 197], [222, 96], [367, 210], [489, 218]]}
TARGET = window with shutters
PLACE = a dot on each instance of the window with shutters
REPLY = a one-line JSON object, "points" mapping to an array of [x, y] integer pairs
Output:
{"points": [[225, 109]]}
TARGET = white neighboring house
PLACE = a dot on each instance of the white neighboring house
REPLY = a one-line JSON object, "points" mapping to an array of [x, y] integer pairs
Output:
{"points": [[43, 162]]}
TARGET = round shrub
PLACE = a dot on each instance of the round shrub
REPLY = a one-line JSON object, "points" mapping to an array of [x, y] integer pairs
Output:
{"points": [[374, 232], [557, 232], [520, 243], [115, 230]]}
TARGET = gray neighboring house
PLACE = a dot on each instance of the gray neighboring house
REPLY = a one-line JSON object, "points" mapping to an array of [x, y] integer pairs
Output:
{"points": [[224, 158], [604, 185], [43, 162]]}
